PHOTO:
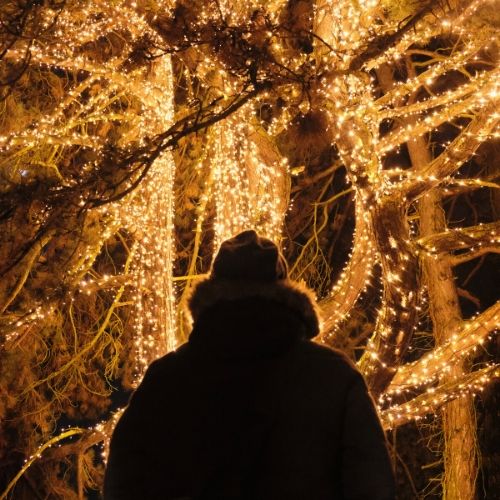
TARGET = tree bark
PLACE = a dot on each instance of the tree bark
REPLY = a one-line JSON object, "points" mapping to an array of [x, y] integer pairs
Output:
{"points": [[459, 423]]}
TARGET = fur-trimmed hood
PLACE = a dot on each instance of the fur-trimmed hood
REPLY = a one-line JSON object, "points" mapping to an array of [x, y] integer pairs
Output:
{"points": [[296, 297]]}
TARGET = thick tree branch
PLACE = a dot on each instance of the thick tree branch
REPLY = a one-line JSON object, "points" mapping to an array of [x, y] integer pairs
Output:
{"points": [[458, 152], [435, 397], [353, 280], [474, 239], [431, 122], [397, 316], [432, 365]]}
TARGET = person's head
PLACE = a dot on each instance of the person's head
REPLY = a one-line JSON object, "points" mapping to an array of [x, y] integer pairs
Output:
{"points": [[249, 257], [249, 266]]}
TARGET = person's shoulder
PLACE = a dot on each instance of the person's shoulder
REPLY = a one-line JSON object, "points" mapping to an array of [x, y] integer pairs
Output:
{"points": [[168, 361]]}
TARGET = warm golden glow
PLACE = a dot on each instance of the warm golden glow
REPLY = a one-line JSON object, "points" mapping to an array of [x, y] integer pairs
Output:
{"points": [[111, 77]]}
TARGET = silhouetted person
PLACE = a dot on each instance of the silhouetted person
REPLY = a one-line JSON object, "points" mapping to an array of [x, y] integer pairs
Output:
{"points": [[250, 408]]}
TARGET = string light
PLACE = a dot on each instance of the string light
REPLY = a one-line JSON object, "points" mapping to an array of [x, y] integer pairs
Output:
{"points": [[353, 280], [250, 178], [148, 213], [249, 193]]}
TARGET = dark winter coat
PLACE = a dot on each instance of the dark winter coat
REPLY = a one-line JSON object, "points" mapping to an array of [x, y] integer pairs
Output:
{"points": [[250, 408]]}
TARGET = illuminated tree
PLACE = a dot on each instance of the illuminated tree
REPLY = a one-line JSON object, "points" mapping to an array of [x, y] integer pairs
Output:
{"points": [[136, 136]]}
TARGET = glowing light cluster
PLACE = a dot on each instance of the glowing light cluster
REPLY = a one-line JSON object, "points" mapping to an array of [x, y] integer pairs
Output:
{"points": [[353, 280], [237, 12], [345, 24], [430, 26], [432, 365], [248, 191], [435, 398], [149, 214]]}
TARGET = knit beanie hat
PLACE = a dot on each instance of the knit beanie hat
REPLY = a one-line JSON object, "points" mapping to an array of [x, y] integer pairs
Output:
{"points": [[249, 256]]}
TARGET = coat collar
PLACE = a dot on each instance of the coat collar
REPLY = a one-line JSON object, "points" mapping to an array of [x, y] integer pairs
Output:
{"points": [[291, 295]]}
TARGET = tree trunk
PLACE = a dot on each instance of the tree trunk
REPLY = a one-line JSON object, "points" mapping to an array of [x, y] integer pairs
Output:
{"points": [[459, 423], [458, 417]]}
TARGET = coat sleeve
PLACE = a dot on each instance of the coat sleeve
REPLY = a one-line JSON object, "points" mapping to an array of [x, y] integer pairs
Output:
{"points": [[366, 468], [129, 463]]}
